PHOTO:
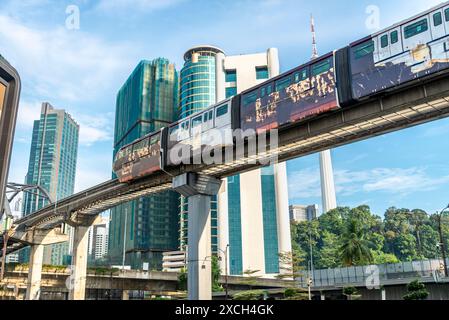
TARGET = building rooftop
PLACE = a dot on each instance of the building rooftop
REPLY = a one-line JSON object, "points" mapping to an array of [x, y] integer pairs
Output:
{"points": [[189, 52]]}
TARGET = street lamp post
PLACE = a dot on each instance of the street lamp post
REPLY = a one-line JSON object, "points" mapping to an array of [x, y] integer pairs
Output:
{"points": [[442, 246], [226, 269]]}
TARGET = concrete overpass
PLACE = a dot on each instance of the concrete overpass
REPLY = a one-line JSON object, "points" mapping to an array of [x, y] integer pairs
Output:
{"points": [[399, 109]]}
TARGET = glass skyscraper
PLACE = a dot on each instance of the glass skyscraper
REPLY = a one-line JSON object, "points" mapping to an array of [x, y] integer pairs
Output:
{"points": [[198, 91], [147, 102], [52, 165]]}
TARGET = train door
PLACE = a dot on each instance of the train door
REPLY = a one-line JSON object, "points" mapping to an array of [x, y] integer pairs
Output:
{"points": [[384, 46], [417, 33], [437, 24], [208, 120], [396, 42]]}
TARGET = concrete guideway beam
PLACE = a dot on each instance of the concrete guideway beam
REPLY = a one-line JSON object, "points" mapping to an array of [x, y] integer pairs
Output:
{"points": [[41, 237], [199, 189]]}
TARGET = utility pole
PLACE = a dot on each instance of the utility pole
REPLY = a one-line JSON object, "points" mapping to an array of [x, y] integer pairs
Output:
{"points": [[124, 239], [442, 246]]}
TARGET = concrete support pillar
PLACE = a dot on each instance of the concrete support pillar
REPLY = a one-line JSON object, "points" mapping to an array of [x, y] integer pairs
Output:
{"points": [[79, 263], [199, 189], [199, 283], [35, 272], [223, 223]]}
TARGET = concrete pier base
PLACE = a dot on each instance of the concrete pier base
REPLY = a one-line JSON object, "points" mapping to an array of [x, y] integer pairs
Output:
{"points": [[199, 281], [199, 189], [77, 290], [35, 272]]}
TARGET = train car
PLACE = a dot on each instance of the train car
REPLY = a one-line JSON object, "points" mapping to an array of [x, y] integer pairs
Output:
{"points": [[209, 128], [140, 158], [414, 49], [298, 94]]}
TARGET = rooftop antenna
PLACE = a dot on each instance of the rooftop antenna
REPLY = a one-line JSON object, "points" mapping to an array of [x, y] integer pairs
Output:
{"points": [[314, 46]]}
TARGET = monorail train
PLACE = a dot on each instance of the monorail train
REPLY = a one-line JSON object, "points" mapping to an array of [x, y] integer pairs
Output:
{"points": [[410, 51]]}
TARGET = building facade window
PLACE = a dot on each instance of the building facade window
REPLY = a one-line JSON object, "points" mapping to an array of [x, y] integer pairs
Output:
{"points": [[262, 73], [230, 92], [231, 75]]}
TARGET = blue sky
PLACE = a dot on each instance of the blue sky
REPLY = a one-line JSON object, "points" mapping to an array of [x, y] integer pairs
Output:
{"points": [[82, 70]]}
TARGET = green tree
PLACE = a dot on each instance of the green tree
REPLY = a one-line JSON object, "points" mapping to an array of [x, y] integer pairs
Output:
{"points": [[380, 257], [406, 247], [327, 257], [182, 280], [355, 248], [216, 273], [416, 291]]}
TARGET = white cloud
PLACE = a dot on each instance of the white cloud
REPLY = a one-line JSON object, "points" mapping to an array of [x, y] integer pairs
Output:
{"points": [[94, 128], [306, 183], [62, 64]]}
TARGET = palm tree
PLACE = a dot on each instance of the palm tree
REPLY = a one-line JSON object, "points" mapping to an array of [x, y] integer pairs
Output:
{"points": [[355, 247]]}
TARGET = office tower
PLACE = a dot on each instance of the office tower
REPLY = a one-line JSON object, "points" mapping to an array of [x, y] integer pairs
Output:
{"points": [[52, 165], [328, 195], [146, 103], [252, 207], [301, 213]]}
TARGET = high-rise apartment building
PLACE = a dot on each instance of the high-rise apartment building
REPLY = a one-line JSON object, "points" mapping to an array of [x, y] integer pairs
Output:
{"points": [[301, 213], [250, 213], [52, 165], [146, 103]]}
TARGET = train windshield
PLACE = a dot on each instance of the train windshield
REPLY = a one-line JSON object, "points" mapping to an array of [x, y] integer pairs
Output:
{"points": [[364, 49]]}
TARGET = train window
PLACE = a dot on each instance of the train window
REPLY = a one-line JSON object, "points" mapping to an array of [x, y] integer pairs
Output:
{"points": [[263, 92], [211, 115], [321, 67], [284, 83], [364, 49], [384, 41], [221, 111], [437, 19], [301, 75], [249, 98], [185, 125], [416, 28], [269, 89], [197, 121], [446, 14], [394, 37]]}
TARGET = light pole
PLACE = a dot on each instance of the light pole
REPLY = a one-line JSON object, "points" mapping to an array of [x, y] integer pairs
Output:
{"points": [[442, 246], [226, 269], [124, 239]]}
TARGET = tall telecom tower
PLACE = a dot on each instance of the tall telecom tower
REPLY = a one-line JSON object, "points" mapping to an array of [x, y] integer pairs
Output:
{"points": [[328, 196]]}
